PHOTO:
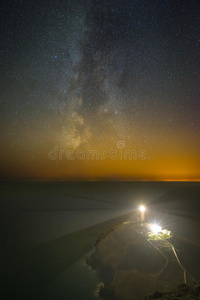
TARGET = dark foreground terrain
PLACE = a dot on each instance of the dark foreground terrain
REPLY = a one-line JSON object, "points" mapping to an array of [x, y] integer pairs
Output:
{"points": [[134, 264], [48, 226], [182, 292]]}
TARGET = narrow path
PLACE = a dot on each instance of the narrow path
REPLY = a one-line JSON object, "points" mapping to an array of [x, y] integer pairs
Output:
{"points": [[185, 272], [165, 257], [167, 260]]}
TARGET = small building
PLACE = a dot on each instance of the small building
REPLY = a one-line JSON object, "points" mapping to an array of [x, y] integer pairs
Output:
{"points": [[166, 231]]}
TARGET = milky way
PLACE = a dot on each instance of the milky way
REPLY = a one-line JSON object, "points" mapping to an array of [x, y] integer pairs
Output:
{"points": [[87, 74]]}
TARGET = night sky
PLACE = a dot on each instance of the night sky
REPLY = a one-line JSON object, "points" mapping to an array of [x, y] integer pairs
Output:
{"points": [[100, 75]]}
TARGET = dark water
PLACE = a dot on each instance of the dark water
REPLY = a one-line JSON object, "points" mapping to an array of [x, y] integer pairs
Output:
{"points": [[78, 281], [47, 229], [36, 227]]}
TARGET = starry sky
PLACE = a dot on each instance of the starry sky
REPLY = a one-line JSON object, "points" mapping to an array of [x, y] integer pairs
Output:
{"points": [[99, 75]]}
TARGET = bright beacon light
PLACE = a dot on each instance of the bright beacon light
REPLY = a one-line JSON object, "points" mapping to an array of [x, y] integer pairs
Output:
{"points": [[155, 228], [142, 208]]}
